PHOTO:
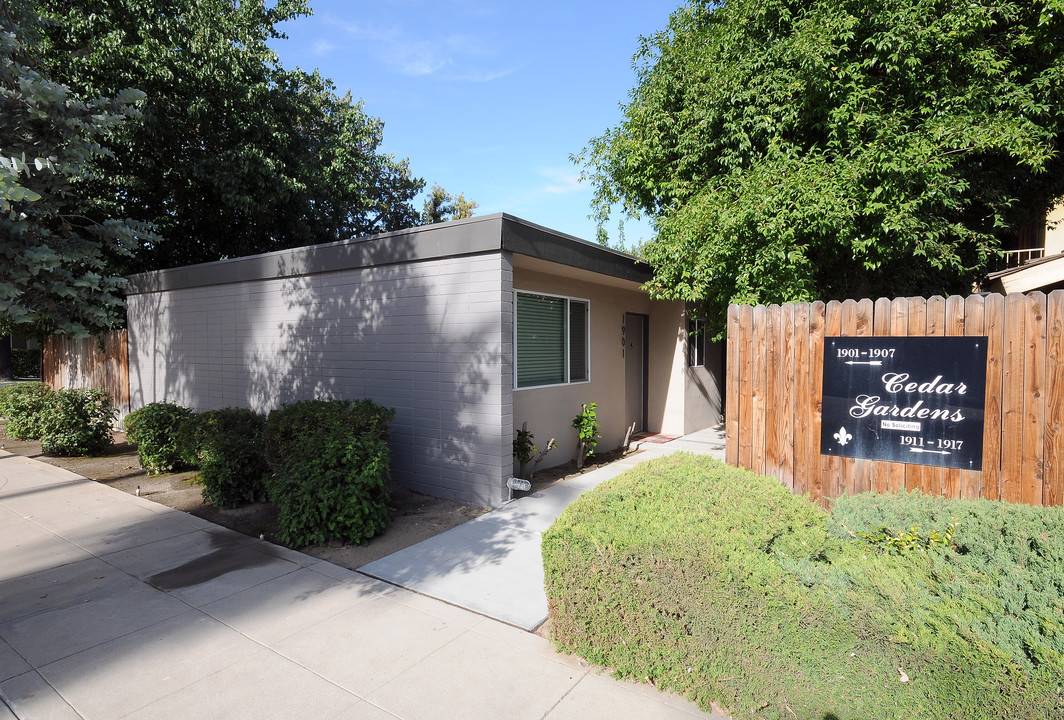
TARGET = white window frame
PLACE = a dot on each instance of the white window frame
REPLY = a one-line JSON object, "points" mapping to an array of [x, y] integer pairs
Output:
{"points": [[566, 362], [696, 340]]}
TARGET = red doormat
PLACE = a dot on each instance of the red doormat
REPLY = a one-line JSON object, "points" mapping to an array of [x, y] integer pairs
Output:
{"points": [[648, 437]]}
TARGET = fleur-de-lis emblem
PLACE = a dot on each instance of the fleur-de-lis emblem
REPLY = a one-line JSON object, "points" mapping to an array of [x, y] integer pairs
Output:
{"points": [[842, 436]]}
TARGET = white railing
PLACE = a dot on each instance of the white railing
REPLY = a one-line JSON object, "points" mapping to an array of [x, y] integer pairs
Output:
{"points": [[1015, 258]]}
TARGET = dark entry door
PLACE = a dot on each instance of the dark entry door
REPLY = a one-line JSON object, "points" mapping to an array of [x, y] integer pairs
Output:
{"points": [[635, 371]]}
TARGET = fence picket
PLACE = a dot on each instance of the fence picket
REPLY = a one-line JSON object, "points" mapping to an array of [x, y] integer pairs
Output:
{"points": [[861, 469], [746, 436], [803, 399], [785, 425], [972, 309], [1053, 463], [934, 478], [829, 464], [993, 417], [758, 401], [1012, 399], [914, 474], [1034, 382], [953, 326], [732, 389], [880, 473], [817, 313], [773, 406], [847, 479]]}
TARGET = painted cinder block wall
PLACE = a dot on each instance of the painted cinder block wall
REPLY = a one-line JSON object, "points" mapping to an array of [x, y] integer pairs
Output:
{"points": [[428, 338]]}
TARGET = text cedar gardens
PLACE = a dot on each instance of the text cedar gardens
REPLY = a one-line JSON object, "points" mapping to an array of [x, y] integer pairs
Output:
{"points": [[897, 382]]}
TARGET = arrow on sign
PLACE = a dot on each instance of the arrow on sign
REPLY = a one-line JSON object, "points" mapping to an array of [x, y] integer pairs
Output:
{"points": [[921, 450], [864, 362]]}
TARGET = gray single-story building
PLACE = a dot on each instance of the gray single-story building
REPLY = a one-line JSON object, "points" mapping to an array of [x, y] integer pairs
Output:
{"points": [[469, 329]]}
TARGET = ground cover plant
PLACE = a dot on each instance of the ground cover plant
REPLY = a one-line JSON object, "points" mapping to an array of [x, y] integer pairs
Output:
{"points": [[722, 585], [329, 470], [154, 430]]}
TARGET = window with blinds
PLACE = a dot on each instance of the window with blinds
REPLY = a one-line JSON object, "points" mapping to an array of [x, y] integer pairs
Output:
{"points": [[551, 340]]}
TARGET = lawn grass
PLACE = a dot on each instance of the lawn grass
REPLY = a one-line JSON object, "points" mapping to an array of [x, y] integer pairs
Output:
{"points": [[722, 585]]}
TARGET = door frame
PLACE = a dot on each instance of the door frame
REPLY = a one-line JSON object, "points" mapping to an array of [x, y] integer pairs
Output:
{"points": [[645, 381]]}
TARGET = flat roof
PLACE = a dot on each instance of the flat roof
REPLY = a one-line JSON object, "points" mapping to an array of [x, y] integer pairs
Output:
{"points": [[476, 235]]}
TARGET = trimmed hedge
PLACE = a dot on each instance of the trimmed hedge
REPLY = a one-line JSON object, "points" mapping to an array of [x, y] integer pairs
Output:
{"points": [[722, 585], [76, 422], [227, 446], [330, 467], [21, 405], [154, 430]]}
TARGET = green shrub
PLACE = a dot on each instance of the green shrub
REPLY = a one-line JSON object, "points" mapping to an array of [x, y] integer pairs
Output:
{"points": [[1007, 559], [26, 363], [330, 466], [154, 430], [722, 585], [21, 405], [76, 422], [227, 446]]}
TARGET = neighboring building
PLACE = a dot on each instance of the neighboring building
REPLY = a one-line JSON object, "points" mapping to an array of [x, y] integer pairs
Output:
{"points": [[468, 329], [1035, 259]]}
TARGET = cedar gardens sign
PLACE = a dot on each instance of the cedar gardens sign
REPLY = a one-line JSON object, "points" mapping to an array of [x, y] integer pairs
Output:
{"points": [[916, 400]]}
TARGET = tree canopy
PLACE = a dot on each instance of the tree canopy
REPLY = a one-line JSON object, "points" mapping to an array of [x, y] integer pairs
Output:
{"points": [[441, 206], [231, 154], [796, 150], [54, 274]]}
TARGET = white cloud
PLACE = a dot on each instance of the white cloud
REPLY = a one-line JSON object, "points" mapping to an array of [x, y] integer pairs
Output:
{"points": [[323, 47], [479, 76], [562, 181], [453, 56]]}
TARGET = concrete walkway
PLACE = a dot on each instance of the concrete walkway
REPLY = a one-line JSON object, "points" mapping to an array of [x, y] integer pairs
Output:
{"points": [[493, 565], [112, 606]]}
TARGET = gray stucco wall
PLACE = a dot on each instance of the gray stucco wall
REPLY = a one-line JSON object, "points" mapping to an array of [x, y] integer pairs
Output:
{"points": [[704, 391], [431, 338]]}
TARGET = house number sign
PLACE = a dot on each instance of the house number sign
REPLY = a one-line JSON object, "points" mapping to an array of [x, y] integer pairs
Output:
{"points": [[916, 400]]}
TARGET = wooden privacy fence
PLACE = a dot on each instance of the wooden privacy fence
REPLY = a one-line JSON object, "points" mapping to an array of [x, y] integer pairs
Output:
{"points": [[775, 384], [97, 362]]}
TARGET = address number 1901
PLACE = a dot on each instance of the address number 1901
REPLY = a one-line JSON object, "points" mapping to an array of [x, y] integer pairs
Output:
{"points": [[870, 353]]}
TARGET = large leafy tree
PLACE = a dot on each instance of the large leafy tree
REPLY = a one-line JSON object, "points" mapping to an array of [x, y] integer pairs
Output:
{"points": [[441, 206], [232, 153], [54, 274], [796, 149]]}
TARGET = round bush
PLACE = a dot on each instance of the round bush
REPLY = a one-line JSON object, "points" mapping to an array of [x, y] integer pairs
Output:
{"points": [[227, 447], [330, 467], [154, 430], [21, 404], [76, 422]]}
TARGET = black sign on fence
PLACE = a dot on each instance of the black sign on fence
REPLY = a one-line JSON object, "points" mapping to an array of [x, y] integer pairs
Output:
{"points": [[916, 400]]}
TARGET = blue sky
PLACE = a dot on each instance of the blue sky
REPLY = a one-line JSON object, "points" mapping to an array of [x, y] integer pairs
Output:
{"points": [[487, 98]]}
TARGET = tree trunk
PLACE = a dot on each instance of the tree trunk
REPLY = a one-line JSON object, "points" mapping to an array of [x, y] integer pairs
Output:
{"points": [[7, 364]]}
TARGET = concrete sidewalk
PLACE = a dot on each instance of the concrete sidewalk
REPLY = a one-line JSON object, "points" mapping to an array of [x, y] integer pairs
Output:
{"points": [[493, 565], [112, 606]]}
